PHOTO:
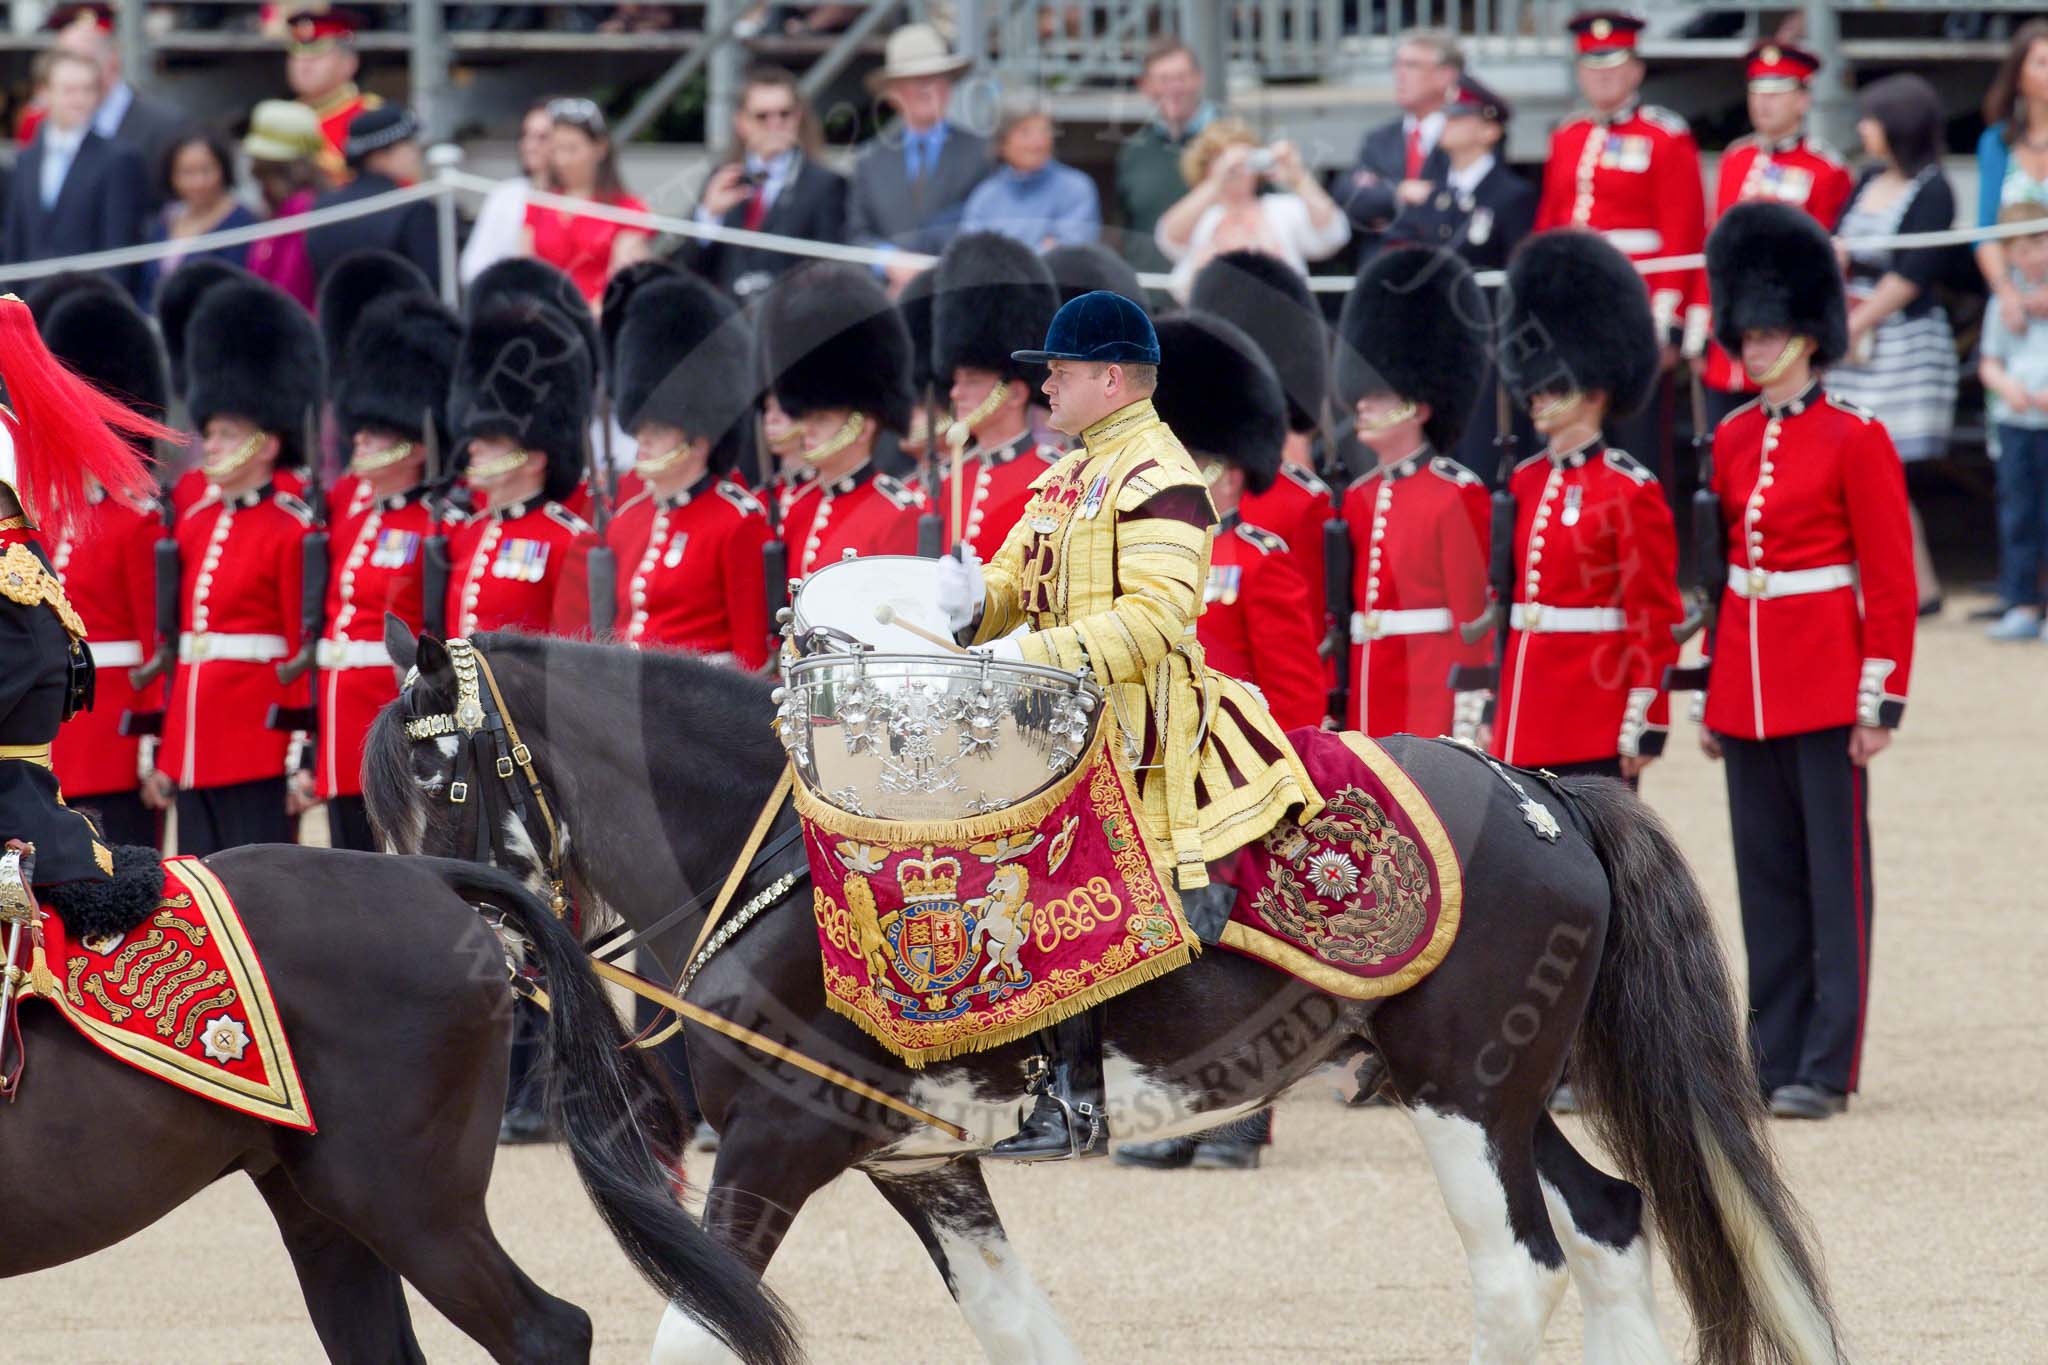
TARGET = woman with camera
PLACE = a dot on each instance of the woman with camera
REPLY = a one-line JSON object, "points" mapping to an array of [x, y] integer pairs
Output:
{"points": [[1247, 198]]}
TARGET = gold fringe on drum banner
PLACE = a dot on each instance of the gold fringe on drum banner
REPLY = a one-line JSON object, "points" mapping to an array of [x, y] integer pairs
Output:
{"points": [[945, 937]]}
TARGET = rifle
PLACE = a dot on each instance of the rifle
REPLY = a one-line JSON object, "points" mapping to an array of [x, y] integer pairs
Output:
{"points": [[602, 562], [774, 553], [435, 570], [1500, 573], [1709, 550], [931, 528], [1337, 566], [313, 573], [170, 592]]}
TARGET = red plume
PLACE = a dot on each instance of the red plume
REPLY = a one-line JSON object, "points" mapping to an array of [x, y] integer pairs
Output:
{"points": [[66, 431]]}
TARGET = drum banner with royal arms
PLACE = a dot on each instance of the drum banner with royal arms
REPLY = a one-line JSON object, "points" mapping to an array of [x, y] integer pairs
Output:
{"points": [[947, 937]]}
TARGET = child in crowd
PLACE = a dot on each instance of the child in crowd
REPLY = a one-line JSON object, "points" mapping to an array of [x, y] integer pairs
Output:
{"points": [[2014, 369]]}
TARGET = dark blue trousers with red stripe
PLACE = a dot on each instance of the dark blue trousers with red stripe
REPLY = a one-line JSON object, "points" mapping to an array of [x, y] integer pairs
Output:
{"points": [[1801, 817]]}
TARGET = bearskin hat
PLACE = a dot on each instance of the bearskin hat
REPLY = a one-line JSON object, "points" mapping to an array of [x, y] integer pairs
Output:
{"points": [[536, 279], [618, 293], [686, 358], [523, 372], [1577, 317], [830, 338], [1082, 267], [251, 351], [1417, 326], [42, 296], [914, 302], [395, 374], [994, 296], [106, 339], [1220, 396], [351, 285], [177, 298], [1270, 302], [1770, 266]]}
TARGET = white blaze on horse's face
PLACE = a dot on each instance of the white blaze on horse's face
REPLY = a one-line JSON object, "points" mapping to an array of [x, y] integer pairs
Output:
{"points": [[524, 860]]}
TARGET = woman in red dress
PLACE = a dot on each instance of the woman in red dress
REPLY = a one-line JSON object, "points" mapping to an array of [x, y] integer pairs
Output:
{"points": [[583, 165]]}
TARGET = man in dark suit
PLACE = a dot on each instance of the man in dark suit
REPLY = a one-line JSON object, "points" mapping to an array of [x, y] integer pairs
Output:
{"points": [[911, 183], [1399, 162], [383, 152], [125, 115], [74, 191], [768, 184]]}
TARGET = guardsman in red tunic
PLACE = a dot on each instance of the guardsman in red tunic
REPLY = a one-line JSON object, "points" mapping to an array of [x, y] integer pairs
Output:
{"points": [[321, 69], [991, 296], [838, 362], [1595, 592], [107, 562], [1778, 162], [1221, 398], [254, 369], [1811, 655], [1631, 172], [520, 408], [1411, 357], [1270, 303], [689, 545], [393, 379]]}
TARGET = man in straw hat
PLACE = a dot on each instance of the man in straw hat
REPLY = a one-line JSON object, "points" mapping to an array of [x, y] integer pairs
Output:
{"points": [[911, 183]]}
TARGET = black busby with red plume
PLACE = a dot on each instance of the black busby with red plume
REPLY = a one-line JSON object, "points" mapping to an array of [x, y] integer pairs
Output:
{"points": [[1219, 395], [1416, 325]]}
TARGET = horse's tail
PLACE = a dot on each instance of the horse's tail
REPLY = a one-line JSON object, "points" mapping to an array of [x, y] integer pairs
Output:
{"points": [[626, 1135], [1672, 1092]]}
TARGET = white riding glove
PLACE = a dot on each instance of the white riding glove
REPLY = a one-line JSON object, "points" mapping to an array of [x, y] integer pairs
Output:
{"points": [[961, 587], [1008, 650]]}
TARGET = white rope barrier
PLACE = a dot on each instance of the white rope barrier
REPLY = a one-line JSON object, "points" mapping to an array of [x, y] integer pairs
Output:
{"points": [[454, 182]]}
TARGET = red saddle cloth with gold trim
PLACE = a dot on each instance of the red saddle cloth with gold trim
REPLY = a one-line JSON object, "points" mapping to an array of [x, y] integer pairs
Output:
{"points": [[181, 996], [1362, 900]]}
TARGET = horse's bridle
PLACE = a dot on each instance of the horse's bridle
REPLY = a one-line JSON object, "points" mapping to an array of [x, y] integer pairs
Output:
{"points": [[493, 769]]}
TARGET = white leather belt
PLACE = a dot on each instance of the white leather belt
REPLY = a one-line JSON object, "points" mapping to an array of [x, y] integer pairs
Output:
{"points": [[333, 654], [1377, 625], [1769, 583], [116, 653], [1635, 241], [212, 646], [1538, 619]]}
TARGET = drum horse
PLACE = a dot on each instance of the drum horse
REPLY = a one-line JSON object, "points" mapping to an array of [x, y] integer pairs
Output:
{"points": [[651, 768]]}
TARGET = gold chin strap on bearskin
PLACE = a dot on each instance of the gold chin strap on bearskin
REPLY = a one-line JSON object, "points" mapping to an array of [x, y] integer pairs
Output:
{"points": [[497, 466], [1394, 418], [229, 464], [378, 460], [1795, 347], [849, 432]]}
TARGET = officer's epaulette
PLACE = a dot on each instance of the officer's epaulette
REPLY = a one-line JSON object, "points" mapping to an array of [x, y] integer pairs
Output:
{"points": [[1306, 478], [564, 518], [896, 491], [746, 502], [1624, 463], [1444, 467], [294, 504], [1853, 409], [1670, 120], [1265, 540]]}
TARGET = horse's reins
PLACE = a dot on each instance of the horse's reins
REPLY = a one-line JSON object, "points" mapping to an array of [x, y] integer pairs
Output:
{"points": [[480, 723]]}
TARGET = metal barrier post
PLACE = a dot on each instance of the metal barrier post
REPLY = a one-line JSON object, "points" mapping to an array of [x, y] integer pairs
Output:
{"points": [[721, 77], [1833, 113], [428, 65], [136, 66], [1201, 28], [444, 159]]}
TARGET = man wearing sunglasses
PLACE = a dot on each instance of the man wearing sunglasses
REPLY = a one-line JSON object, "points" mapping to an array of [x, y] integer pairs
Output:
{"points": [[769, 182]]}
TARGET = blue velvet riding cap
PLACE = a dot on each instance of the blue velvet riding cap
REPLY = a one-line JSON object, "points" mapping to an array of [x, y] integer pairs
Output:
{"points": [[1098, 326]]}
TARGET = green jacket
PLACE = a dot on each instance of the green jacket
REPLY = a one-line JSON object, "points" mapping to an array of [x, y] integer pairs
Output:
{"points": [[1148, 183]]}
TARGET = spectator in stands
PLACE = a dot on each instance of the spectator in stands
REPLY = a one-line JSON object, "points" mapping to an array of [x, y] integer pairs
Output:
{"points": [[911, 182], [1148, 179], [2014, 369], [73, 190], [1479, 207], [2012, 162], [500, 227], [1399, 162], [37, 105], [284, 147], [1247, 198], [383, 155], [583, 164], [125, 115], [321, 70], [771, 181], [1031, 197], [1902, 353], [198, 180]]}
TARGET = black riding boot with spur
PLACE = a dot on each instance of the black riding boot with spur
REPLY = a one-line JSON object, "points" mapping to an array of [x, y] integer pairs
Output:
{"points": [[1068, 1120]]}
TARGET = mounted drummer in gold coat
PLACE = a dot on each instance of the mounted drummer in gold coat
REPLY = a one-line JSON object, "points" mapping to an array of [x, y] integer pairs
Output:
{"points": [[1106, 568]]}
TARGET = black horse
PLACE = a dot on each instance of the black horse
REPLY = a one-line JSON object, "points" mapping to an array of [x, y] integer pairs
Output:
{"points": [[395, 994], [655, 766]]}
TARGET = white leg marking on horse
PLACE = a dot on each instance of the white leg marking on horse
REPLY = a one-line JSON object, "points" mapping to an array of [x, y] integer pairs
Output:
{"points": [[682, 1340], [1008, 1313], [1614, 1289], [1512, 1296]]}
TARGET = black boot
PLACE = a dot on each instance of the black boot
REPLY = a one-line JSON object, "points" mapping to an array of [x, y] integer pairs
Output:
{"points": [[1068, 1120], [1234, 1146]]}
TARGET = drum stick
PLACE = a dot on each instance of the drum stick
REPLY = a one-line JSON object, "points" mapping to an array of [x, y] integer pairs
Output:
{"points": [[886, 615]]}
